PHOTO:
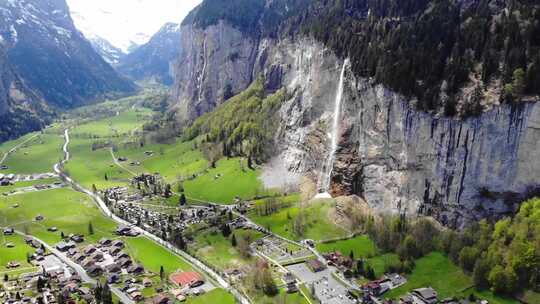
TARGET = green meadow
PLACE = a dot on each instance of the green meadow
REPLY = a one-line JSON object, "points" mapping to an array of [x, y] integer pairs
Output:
{"points": [[217, 250], [37, 155], [315, 215], [360, 246]]}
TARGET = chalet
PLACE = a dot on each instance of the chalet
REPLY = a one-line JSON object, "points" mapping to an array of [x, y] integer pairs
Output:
{"points": [[52, 229], [94, 270], [113, 278], [13, 264], [105, 242], [161, 299], [136, 296], [113, 268], [77, 238], [9, 231], [147, 282], [98, 256], [35, 244], [290, 281], [64, 247], [124, 262], [78, 258], [135, 269], [39, 217], [89, 249], [122, 255], [118, 244], [73, 251], [425, 295], [115, 250], [10, 245]]}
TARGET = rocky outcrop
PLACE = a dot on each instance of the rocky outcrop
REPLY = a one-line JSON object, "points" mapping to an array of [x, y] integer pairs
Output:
{"points": [[398, 159]]}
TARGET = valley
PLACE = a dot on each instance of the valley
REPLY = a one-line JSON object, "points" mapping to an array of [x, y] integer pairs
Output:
{"points": [[270, 152], [231, 225]]}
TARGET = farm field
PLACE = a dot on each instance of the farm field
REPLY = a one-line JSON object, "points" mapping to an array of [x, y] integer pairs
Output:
{"points": [[437, 271], [361, 246], [23, 184]]}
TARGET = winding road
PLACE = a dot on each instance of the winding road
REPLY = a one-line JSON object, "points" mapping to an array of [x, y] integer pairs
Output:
{"points": [[105, 209]]}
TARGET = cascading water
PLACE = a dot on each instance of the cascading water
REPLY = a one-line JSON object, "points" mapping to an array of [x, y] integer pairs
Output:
{"points": [[326, 173]]}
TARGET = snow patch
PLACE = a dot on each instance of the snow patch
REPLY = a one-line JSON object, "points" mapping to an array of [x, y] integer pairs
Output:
{"points": [[14, 34]]}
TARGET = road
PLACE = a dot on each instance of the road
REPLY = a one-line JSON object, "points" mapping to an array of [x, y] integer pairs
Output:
{"points": [[105, 209]]}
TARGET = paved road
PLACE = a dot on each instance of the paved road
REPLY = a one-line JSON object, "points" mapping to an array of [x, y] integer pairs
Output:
{"points": [[105, 209]]}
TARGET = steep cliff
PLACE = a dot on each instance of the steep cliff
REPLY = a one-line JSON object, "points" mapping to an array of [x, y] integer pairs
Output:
{"points": [[398, 158]]}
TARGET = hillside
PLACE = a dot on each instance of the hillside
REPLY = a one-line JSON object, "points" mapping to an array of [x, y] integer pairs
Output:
{"points": [[52, 56]]}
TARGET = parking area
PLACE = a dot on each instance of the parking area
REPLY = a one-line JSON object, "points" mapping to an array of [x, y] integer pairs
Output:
{"points": [[327, 289]]}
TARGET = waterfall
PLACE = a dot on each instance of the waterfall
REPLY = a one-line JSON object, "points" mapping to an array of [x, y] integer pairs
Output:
{"points": [[324, 180]]}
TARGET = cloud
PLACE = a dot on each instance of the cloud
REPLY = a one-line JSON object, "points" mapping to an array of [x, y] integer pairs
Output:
{"points": [[121, 21]]}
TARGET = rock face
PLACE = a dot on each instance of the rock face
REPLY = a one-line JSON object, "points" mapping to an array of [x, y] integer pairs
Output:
{"points": [[154, 60], [52, 56], [398, 159]]}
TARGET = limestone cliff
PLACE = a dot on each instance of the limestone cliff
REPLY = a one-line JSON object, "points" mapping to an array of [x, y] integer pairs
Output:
{"points": [[398, 159]]}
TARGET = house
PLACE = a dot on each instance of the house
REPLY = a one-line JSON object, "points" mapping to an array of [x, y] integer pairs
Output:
{"points": [[13, 264], [124, 262], [147, 282], [87, 263], [39, 217], [425, 295], [136, 296], [189, 279], [89, 249], [161, 299], [118, 244], [113, 278], [396, 280], [315, 265], [52, 229], [98, 257], [113, 268], [135, 269], [78, 258], [77, 238], [63, 246], [105, 242], [94, 270], [9, 231], [115, 250]]}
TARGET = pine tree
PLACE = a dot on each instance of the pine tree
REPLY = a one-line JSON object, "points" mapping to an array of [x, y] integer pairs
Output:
{"points": [[90, 229], [182, 199], [106, 177], [233, 240], [161, 273]]}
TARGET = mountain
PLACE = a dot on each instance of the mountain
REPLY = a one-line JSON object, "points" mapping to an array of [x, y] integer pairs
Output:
{"points": [[109, 52], [47, 64], [153, 60], [420, 107]]}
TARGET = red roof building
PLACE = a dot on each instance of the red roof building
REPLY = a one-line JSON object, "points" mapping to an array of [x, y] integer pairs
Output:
{"points": [[189, 279]]}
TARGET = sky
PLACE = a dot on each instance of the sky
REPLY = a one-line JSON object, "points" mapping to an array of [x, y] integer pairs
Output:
{"points": [[123, 22]]}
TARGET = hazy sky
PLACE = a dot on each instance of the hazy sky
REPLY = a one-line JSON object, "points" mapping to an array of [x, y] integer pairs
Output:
{"points": [[124, 21]]}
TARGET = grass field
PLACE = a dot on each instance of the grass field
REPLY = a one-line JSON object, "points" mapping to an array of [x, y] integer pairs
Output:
{"points": [[231, 178], [23, 184], [217, 295], [37, 156], [217, 250], [282, 297], [317, 221], [379, 262], [90, 167], [152, 256], [437, 271], [69, 211], [361, 246], [120, 125], [17, 253]]}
